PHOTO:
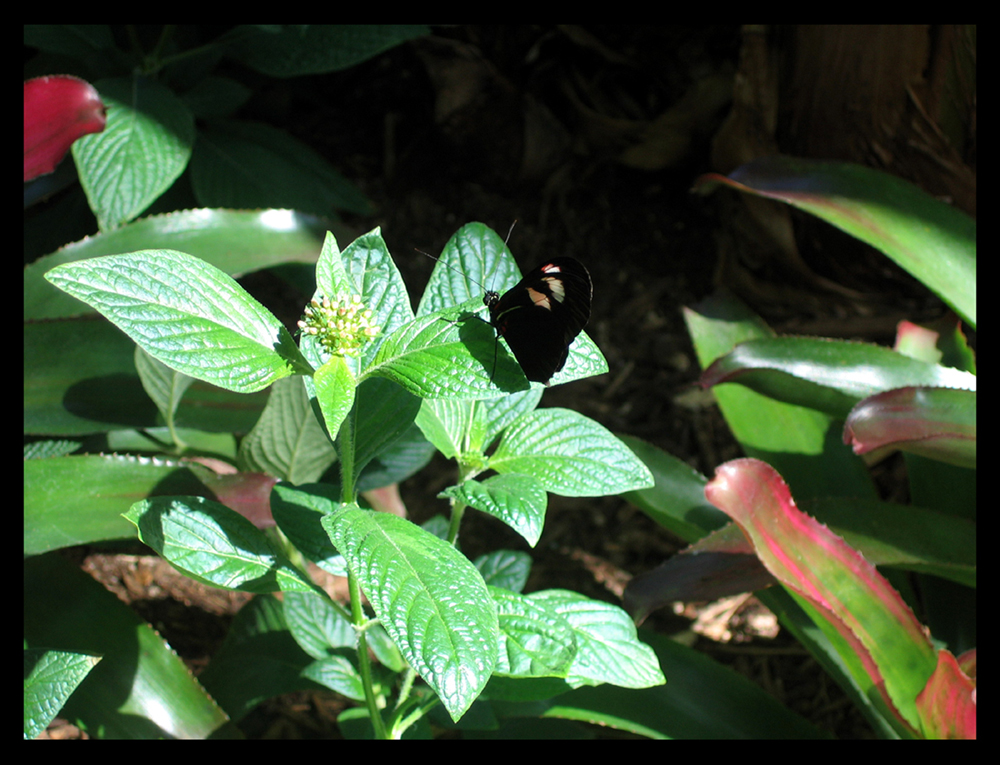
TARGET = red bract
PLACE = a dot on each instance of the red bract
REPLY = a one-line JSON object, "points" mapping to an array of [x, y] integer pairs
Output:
{"points": [[57, 110]]}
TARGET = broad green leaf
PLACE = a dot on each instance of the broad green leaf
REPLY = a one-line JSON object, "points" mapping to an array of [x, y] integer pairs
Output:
{"points": [[385, 412], [214, 545], [188, 315], [288, 441], [447, 355], [80, 499], [828, 375], [517, 500], [397, 461], [677, 500], [258, 660], [144, 148], [934, 242], [239, 164], [569, 454], [702, 700], [141, 689], [534, 640], [431, 600], [80, 378], [608, 649], [339, 674], [507, 569], [165, 386], [804, 445], [318, 625], [50, 678], [292, 50], [234, 241], [298, 511], [474, 261]]}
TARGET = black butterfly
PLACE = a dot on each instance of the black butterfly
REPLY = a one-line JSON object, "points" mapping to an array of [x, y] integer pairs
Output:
{"points": [[541, 315]]}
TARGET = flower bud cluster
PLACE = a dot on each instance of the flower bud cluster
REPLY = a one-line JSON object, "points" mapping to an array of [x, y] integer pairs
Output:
{"points": [[341, 326]]}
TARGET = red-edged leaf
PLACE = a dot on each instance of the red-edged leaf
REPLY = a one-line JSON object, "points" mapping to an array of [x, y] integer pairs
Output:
{"points": [[57, 111], [884, 636], [938, 423], [932, 241], [917, 342], [948, 703], [827, 375]]}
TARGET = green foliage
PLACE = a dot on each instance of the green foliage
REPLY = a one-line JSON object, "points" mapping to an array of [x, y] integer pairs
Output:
{"points": [[181, 368], [804, 509], [437, 617], [170, 108]]}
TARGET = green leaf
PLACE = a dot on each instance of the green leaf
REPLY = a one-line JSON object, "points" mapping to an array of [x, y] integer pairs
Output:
{"points": [[165, 386], [339, 674], [829, 375], [335, 389], [803, 444], [397, 461], [384, 413], [703, 700], [931, 240], [291, 50], [517, 500], [677, 501], [534, 640], [318, 625], [463, 428], [188, 315], [234, 241], [258, 660], [507, 569], [446, 355], [141, 689], [70, 366], [431, 600], [288, 442], [50, 677], [570, 455], [365, 269], [240, 164], [80, 499], [609, 650], [473, 261], [214, 545], [298, 511], [144, 148]]}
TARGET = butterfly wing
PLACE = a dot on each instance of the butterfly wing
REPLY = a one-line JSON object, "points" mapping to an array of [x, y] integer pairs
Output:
{"points": [[541, 315]]}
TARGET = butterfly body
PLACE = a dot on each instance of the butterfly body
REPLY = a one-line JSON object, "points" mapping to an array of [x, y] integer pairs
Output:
{"points": [[542, 314]]}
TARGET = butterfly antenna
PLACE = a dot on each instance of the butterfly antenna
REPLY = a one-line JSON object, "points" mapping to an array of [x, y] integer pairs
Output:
{"points": [[507, 238], [450, 268]]}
